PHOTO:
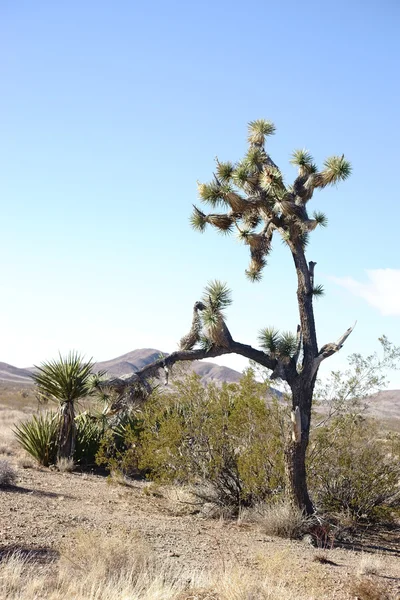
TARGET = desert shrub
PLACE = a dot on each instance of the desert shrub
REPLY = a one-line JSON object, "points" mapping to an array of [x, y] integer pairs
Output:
{"points": [[8, 475], [38, 436], [369, 589], [120, 446], [227, 436], [89, 433], [351, 470]]}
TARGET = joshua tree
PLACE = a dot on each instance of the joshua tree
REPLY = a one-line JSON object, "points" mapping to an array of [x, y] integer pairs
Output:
{"points": [[65, 381], [259, 204]]}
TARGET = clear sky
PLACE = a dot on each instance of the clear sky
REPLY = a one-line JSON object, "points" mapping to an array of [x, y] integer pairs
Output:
{"points": [[110, 112]]}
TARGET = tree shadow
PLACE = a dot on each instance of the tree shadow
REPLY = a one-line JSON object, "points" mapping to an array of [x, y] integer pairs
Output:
{"points": [[379, 538], [15, 489], [29, 554]]}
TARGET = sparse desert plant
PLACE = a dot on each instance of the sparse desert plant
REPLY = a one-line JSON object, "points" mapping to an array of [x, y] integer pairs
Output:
{"points": [[65, 465], [5, 450], [38, 436], [8, 475], [370, 589], [370, 564], [279, 518]]}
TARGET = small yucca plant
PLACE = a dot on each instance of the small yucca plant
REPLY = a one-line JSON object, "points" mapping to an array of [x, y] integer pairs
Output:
{"points": [[38, 437]]}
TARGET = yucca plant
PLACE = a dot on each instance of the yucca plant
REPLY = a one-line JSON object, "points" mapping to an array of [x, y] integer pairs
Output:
{"points": [[65, 381], [38, 437]]}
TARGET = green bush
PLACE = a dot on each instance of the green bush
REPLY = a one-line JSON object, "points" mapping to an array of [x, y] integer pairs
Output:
{"points": [[228, 437], [120, 445], [352, 469]]}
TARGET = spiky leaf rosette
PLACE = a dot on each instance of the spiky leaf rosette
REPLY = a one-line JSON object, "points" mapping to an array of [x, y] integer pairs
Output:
{"points": [[241, 175], [287, 344], [198, 219], [217, 295], [318, 291], [225, 171], [269, 339], [337, 168], [271, 181], [259, 130], [212, 193], [305, 162], [255, 159], [66, 379], [321, 219]]}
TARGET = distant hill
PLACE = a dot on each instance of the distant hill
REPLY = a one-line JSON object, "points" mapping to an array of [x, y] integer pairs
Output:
{"points": [[384, 405], [129, 363], [14, 374]]}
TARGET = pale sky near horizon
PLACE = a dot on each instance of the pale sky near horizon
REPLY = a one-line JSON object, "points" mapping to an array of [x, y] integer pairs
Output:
{"points": [[110, 112]]}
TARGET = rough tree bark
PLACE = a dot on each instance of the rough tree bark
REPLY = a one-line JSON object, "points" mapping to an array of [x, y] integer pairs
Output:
{"points": [[67, 431]]}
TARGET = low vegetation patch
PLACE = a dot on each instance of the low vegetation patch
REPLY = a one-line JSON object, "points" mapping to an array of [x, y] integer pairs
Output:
{"points": [[8, 475]]}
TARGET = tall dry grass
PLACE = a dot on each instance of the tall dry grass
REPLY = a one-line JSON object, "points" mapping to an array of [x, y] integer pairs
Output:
{"points": [[118, 567]]}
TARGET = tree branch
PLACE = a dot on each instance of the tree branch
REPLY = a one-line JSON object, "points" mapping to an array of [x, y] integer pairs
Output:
{"points": [[166, 362], [329, 349]]}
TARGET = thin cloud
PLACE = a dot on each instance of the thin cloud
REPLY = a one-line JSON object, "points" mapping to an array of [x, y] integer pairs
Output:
{"points": [[382, 291]]}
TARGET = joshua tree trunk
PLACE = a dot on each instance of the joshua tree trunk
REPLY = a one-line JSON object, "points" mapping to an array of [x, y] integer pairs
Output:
{"points": [[295, 454], [67, 432]]}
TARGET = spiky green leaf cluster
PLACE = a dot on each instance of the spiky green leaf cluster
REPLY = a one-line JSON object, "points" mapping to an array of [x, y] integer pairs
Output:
{"points": [[301, 158], [269, 339], [198, 219], [66, 379], [281, 345], [271, 181], [259, 130], [254, 274], [255, 158], [225, 171], [321, 218], [337, 168], [217, 295], [211, 193], [287, 344], [318, 291], [38, 437], [241, 175]]}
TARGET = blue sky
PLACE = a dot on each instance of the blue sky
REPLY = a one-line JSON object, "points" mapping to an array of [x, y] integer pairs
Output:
{"points": [[110, 113]]}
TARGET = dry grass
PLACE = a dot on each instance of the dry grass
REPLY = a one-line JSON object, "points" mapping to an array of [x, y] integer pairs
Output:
{"points": [[370, 564], [120, 567], [65, 465], [278, 519], [370, 589]]}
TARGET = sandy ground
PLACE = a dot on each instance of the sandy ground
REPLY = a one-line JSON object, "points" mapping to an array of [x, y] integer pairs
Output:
{"points": [[46, 510]]}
